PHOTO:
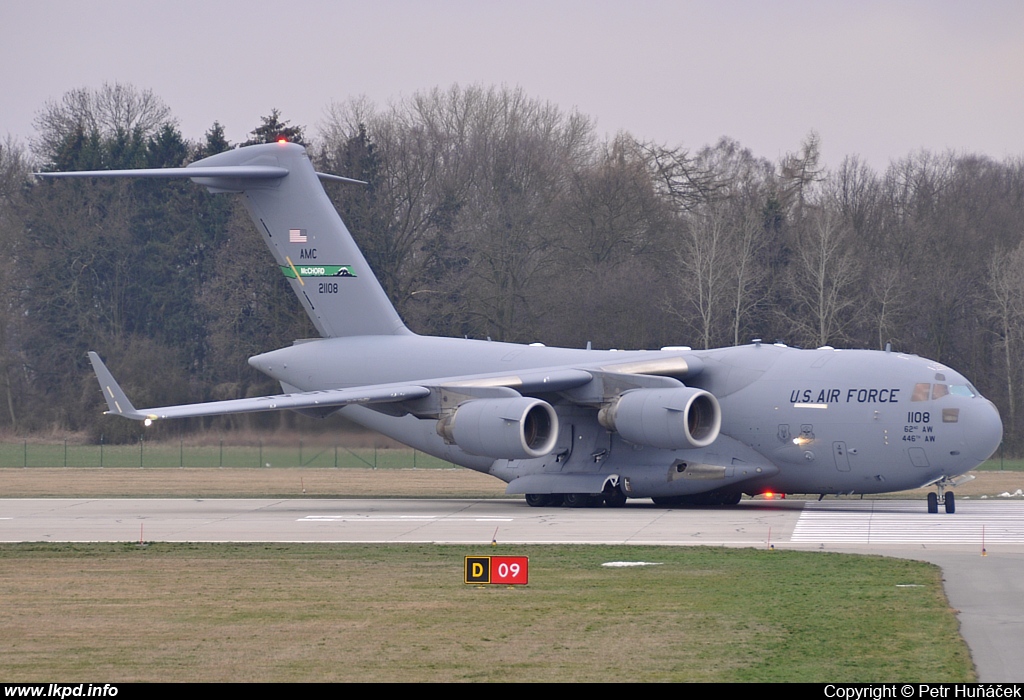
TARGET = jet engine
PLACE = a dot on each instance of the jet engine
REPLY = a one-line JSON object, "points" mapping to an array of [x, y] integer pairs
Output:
{"points": [[507, 428], [673, 419]]}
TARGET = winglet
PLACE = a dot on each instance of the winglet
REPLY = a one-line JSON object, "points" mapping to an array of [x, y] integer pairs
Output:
{"points": [[117, 402]]}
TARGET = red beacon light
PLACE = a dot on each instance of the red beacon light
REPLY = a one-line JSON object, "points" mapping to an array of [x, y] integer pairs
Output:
{"points": [[282, 139]]}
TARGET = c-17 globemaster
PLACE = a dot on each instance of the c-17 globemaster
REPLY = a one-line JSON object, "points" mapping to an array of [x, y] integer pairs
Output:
{"points": [[573, 426]]}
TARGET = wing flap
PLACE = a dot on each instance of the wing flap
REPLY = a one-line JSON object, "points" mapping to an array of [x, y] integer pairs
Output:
{"points": [[672, 366], [528, 381]]}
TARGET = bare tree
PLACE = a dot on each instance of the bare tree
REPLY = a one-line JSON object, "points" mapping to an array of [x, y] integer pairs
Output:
{"points": [[748, 274], [887, 291], [742, 190], [822, 279], [800, 173], [681, 177], [1006, 306], [704, 261], [14, 174], [112, 110], [466, 185], [611, 209]]}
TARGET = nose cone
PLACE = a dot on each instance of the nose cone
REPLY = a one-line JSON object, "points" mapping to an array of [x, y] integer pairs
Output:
{"points": [[983, 429]]}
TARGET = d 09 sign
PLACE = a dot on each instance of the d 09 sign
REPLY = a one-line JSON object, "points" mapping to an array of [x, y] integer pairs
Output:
{"points": [[498, 570]]}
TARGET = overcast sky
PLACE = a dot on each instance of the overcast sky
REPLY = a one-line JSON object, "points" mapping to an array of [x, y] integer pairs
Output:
{"points": [[877, 79]]}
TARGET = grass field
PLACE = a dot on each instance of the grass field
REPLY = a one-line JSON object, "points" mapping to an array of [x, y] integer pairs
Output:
{"points": [[168, 454], [1003, 464], [336, 612], [318, 452], [122, 613]]}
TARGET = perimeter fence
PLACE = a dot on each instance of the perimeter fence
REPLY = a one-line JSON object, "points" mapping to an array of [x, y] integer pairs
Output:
{"points": [[25, 453], [312, 454]]}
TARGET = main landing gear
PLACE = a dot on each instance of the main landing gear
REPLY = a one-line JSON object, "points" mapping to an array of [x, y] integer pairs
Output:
{"points": [[611, 497]]}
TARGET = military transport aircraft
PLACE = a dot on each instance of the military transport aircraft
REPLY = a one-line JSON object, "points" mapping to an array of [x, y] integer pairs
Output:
{"points": [[582, 427]]}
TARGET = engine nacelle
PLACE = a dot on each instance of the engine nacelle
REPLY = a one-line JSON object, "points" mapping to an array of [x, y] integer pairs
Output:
{"points": [[673, 419], [512, 428]]}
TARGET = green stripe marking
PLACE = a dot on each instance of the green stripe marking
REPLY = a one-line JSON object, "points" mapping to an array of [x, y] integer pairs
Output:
{"points": [[319, 271]]}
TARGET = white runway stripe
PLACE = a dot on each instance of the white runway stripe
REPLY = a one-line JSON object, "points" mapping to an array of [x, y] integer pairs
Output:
{"points": [[395, 519], [876, 522]]}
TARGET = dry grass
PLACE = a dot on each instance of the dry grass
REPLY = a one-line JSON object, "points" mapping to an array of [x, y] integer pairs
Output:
{"points": [[341, 613], [246, 483], [213, 482], [120, 613], [989, 484]]}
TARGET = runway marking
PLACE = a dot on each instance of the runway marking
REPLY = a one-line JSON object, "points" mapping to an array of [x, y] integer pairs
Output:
{"points": [[395, 519], [882, 522]]}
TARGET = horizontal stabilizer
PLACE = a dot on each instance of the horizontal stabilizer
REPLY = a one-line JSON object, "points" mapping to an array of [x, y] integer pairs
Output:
{"points": [[245, 172], [248, 172]]}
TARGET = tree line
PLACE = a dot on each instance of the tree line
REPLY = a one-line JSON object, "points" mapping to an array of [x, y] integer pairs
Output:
{"points": [[490, 214]]}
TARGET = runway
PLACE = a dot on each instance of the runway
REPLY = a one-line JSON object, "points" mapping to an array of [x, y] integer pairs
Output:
{"points": [[850, 525], [980, 547]]}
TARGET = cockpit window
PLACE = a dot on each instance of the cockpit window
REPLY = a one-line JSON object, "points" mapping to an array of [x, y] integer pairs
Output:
{"points": [[923, 392]]}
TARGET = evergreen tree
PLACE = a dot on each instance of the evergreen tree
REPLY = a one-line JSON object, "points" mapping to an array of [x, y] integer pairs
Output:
{"points": [[273, 129], [215, 142]]}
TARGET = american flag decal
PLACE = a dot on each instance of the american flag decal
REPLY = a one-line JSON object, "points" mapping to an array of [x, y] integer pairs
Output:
{"points": [[297, 235]]}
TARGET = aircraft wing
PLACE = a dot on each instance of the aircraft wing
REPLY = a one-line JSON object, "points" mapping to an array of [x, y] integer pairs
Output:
{"points": [[549, 380], [119, 405], [590, 385]]}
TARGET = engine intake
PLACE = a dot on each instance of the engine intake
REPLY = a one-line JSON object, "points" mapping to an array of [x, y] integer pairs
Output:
{"points": [[672, 419], [512, 428]]}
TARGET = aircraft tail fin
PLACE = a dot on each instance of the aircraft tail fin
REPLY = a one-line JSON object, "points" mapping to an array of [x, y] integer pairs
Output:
{"points": [[312, 246]]}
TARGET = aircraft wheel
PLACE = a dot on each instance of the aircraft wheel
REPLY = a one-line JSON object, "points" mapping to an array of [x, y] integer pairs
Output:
{"points": [[950, 502], [615, 498], [933, 502], [731, 499], [578, 500], [542, 500]]}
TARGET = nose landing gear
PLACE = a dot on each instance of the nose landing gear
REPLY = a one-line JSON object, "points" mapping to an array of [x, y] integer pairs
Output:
{"points": [[941, 495]]}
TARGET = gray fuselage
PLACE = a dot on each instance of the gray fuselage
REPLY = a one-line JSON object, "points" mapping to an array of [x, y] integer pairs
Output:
{"points": [[793, 421]]}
